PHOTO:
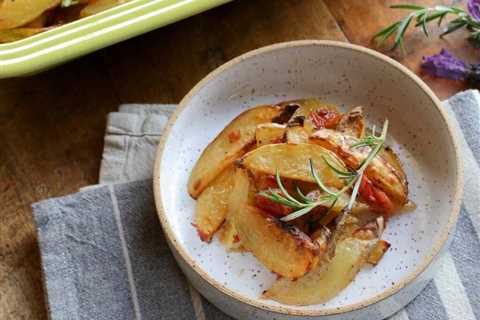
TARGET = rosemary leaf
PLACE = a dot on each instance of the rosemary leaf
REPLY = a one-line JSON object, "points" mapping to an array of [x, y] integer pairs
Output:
{"points": [[301, 195], [388, 30], [284, 191], [424, 25], [318, 181], [336, 170], [407, 6], [454, 25], [272, 195], [298, 213], [402, 28], [351, 202]]}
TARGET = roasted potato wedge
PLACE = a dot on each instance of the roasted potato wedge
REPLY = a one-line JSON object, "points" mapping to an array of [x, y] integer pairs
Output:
{"points": [[228, 146], [16, 13], [228, 236], [283, 249], [352, 123], [212, 204], [292, 161], [268, 133], [306, 107], [239, 196], [327, 280], [391, 157], [378, 251], [380, 172], [297, 135]]}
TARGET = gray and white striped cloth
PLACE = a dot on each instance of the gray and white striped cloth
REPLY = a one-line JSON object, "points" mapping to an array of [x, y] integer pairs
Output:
{"points": [[103, 256]]}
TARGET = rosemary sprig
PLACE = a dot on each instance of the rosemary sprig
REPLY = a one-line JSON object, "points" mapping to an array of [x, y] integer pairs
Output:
{"points": [[301, 207], [305, 204], [422, 16], [376, 146]]}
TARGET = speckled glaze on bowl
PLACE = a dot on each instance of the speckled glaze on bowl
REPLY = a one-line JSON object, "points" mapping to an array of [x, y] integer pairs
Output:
{"points": [[348, 76]]}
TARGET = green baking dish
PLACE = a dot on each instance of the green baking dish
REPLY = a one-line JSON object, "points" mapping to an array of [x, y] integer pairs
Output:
{"points": [[56, 46]]}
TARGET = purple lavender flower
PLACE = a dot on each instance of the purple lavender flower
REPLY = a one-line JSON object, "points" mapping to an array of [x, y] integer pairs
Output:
{"points": [[473, 7], [445, 65]]}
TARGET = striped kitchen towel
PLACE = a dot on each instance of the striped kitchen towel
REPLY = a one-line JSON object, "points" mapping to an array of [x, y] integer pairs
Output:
{"points": [[103, 255]]}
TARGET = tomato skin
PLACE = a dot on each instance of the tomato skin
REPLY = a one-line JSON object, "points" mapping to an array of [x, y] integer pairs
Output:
{"points": [[374, 196], [324, 118], [267, 182], [274, 208]]}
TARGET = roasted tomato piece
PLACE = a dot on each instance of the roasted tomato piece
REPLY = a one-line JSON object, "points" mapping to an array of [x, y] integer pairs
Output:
{"points": [[274, 208], [324, 118], [374, 196], [265, 182]]}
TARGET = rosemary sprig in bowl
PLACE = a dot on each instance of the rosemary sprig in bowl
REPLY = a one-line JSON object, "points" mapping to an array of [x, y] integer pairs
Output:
{"points": [[304, 204]]}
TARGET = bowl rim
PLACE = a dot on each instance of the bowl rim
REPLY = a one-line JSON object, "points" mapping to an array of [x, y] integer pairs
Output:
{"points": [[285, 309]]}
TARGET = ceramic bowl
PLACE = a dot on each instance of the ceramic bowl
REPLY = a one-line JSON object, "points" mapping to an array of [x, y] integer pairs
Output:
{"points": [[348, 76]]}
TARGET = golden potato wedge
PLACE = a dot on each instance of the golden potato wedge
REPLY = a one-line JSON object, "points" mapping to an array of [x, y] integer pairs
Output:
{"points": [[228, 236], [268, 133], [240, 193], [297, 135], [283, 249], [327, 280], [16, 13], [212, 205], [292, 161], [352, 123], [239, 196], [228, 146], [99, 6], [380, 172], [39, 22], [378, 251], [391, 157], [307, 106]]}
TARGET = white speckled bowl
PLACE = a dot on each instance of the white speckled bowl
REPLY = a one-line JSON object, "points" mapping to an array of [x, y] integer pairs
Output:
{"points": [[346, 75]]}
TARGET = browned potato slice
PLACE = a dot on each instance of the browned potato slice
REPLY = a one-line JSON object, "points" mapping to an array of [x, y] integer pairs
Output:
{"points": [[327, 280], [307, 106], [378, 252], [392, 159], [292, 160], [239, 196], [212, 204], [380, 172], [228, 236], [11, 35], [352, 123], [228, 146], [268, 133], [296, 135], [282, 249], [16, 13]]}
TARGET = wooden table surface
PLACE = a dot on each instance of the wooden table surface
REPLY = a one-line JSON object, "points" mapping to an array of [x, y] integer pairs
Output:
{"points": [[52, 124]]}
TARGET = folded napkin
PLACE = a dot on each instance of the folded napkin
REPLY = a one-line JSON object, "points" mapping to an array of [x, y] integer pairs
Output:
{"points": [[104, 256]]}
